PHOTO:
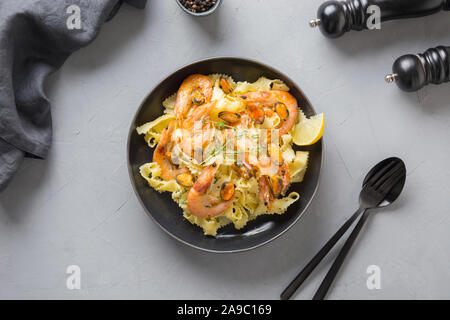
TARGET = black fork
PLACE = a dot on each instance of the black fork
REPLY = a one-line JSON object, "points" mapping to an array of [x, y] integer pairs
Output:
{"points": [[378, 185]]}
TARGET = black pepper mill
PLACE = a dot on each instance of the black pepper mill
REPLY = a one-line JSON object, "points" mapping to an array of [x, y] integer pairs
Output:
{"points": [[412, 72], [334, 18]]}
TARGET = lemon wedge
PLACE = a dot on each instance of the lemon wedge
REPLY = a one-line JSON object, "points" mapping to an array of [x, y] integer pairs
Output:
{"points": [[309, 131]]}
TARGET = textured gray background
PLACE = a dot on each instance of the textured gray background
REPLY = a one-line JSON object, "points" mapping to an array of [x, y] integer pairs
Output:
{"points": [[77, 207]]}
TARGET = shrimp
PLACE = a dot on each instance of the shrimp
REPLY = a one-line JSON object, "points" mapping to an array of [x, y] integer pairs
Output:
{"points": [[169, 171], [196, 131], [281, 101], [195, 89], [202, 205], [199, 113]]}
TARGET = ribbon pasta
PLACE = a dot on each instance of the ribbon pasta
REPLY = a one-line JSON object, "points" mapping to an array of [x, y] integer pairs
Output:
{"points": [[247, 204]]}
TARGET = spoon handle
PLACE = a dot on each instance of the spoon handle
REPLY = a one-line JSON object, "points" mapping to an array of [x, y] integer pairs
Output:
{"points": [[329, 278], [303, 275]]}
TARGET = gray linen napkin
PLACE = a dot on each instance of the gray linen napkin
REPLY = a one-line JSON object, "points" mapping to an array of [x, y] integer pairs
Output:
{"points": [[36, 37]]}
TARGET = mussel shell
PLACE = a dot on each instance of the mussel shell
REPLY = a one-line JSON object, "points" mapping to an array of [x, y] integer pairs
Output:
{"points": [[225, 85], [282, 111], [185, 179], [197, 97], [276, 185], [256, 112], [227, 191], [230, 117]]}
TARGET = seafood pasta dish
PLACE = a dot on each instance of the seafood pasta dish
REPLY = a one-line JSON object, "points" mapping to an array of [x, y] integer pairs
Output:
{"points": [[225, 149]]}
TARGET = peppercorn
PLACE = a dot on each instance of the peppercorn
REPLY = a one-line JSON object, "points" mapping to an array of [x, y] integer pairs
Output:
{"points": [[198, 5]]}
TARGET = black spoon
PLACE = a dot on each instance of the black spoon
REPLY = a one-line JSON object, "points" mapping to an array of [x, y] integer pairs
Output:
{"points": [[381, 187]]}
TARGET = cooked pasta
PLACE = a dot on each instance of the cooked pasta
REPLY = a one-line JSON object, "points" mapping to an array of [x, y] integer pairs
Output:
{"points": [[224, 149]]}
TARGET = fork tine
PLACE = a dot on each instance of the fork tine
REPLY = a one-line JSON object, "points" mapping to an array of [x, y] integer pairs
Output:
{"points": [[388, 174], [392, 181], [380, 173]]}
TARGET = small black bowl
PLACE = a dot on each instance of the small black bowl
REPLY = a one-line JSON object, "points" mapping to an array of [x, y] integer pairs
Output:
{"points": [[200, 14], [166, 213]]}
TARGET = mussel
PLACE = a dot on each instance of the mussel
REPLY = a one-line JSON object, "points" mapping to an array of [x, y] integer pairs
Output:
{"points": [[225, 85], [276, 185], [197, 97], [230, 117], [256, 112], [282, 111], [227, 191], [185, 179]]}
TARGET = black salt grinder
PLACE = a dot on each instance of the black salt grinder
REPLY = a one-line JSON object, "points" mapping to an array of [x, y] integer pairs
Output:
{"points": [[412, 72], [334, 18]]}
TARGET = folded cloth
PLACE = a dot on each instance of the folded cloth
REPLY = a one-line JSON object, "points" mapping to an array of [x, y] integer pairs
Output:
{"points": [[36, 37]]}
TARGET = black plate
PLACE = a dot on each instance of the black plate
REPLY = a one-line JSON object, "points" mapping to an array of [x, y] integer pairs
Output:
{"points": [[166, 213]]}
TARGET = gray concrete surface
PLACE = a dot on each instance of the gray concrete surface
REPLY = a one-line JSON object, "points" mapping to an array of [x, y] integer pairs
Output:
{"points": [[77, 207]]}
